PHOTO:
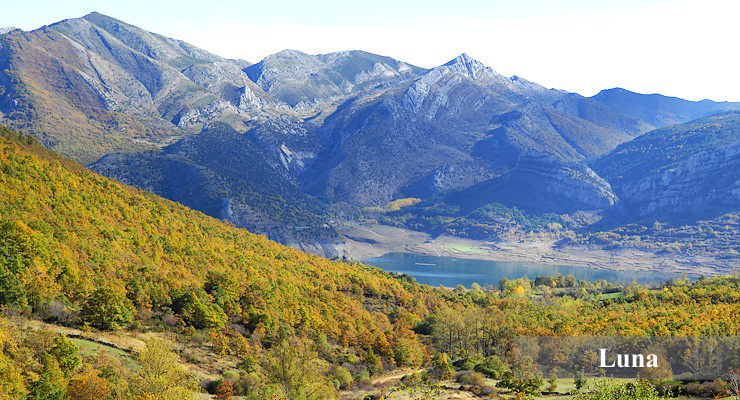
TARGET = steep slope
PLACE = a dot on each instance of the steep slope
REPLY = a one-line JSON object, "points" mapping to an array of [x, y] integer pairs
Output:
{"points": [[89, 86], [223, 173], [690, 170], [66, 232], [658, 110], [541, 183]]}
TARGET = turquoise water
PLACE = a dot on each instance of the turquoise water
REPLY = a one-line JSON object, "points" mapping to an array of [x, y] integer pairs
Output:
{"points": [[450, 271]]}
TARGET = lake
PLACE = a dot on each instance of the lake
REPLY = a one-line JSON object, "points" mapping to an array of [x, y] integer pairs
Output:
{"points": [[450, 271]]}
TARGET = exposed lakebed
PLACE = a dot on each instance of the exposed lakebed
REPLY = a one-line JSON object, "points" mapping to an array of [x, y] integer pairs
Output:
{"points": [[450, 271]]}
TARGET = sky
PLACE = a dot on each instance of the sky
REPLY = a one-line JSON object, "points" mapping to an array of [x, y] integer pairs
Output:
{"points": [[682, 48]]}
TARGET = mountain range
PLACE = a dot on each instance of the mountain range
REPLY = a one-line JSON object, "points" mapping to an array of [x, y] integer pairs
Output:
{"points": [[292, 144]]}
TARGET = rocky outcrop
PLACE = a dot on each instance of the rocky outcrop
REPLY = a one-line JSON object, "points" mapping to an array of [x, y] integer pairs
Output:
{"points": [[542, 183], [686, 171], [578, 184], [707, 184]]}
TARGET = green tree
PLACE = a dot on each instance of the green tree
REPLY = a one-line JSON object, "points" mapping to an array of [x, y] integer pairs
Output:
{"points": [[107, 309], [524, 385], [66, 354], [18, 248], [51, 384], [198, 310], [579, 381], [491, 366], [294, 367], [161, 376]]}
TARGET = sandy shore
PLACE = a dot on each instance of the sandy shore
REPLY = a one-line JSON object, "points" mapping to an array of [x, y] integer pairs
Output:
{"points": [[367, 241]]}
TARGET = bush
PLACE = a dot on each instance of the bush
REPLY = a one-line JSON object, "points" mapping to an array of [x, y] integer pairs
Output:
{"points": [[527, 386], [342, 377], [441, 368], [491, 366], [718, 388], [611, 390], [471, 378], [466, 362], [579, 381], [224, 390]]}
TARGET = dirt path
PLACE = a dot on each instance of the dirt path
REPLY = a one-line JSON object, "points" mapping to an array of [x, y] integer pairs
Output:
{"points": [[395, 376]]}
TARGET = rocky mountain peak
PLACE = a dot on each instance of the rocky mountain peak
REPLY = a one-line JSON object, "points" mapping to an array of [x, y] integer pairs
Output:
{"points": [[7, 29], [466, 65]]}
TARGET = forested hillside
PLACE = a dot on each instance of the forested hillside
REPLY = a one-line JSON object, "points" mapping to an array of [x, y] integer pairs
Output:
{"points": [[80, 250]]}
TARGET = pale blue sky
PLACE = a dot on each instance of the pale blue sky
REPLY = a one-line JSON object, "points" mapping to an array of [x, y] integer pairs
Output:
{"points": [[685, 48]]}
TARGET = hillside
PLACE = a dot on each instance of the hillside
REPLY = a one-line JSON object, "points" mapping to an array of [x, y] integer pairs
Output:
{"points": [[78, 231]]}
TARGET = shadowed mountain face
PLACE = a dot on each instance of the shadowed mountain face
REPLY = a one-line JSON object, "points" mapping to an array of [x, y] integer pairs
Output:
{"points": [[223, 174], [272, 146]]}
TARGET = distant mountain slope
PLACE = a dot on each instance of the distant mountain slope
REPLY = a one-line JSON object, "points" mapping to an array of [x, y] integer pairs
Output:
{"points": [[89, 86], [455, 116], [535, 194], [658, 110], [690, 170], [223, 174]]}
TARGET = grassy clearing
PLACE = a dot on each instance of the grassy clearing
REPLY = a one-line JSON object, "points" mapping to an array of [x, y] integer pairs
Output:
{"points": [[93, 349], [464, 248]]}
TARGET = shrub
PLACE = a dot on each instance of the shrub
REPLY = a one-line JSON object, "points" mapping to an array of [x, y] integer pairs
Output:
{"points": [[491, 366], [527, 386], [343, 377], [579, 381], [611, 390], [718, 388], [471, 378], [441, 368], [466, 362], [225, 390]]}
